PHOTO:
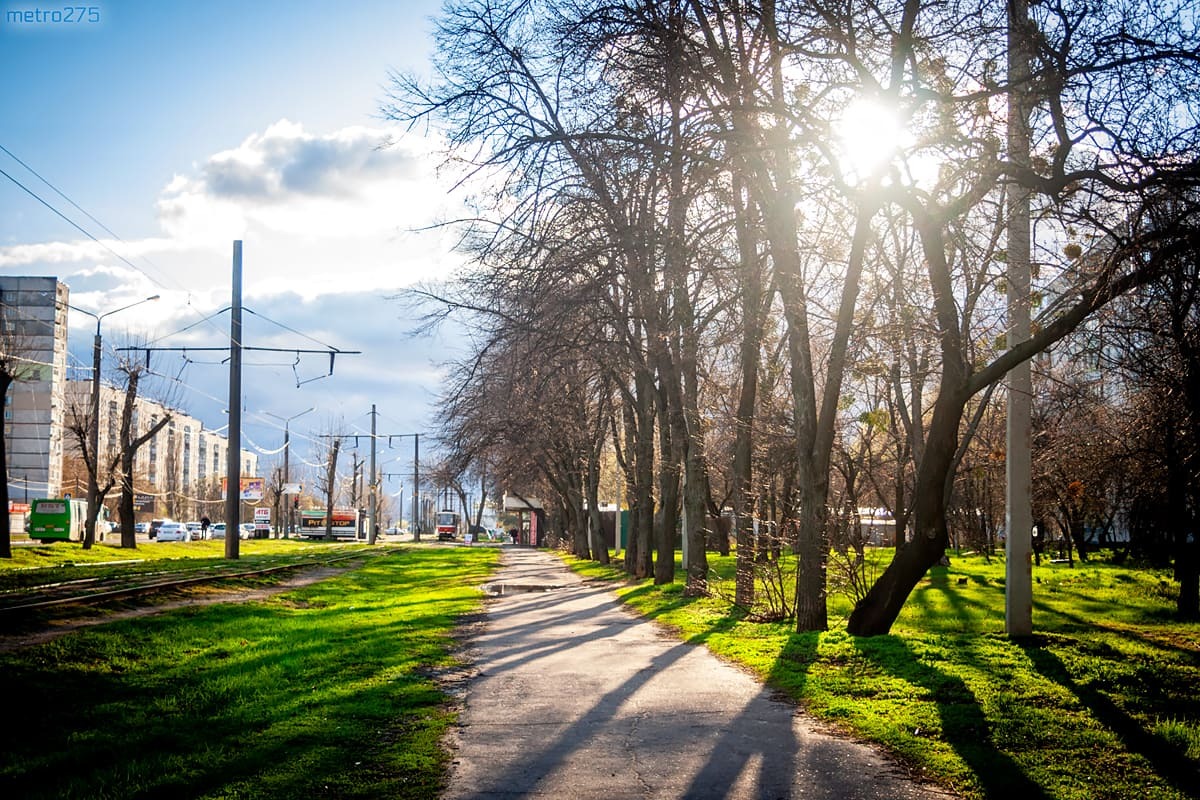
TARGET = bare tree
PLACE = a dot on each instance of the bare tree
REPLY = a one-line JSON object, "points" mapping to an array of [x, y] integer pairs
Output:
{"points": [[130, 441], [328, 446]]}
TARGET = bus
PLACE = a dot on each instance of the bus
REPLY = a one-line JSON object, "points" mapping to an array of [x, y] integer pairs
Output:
{"points": [[446, 525], [345, 523], [61, 519]]}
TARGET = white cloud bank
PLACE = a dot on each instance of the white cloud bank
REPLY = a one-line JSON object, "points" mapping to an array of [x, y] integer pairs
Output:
{"points": [[331, 226], [343, 211]]}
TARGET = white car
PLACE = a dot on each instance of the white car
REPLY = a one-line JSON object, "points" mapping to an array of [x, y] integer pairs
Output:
{"points": [[247, 530], [174, 532], [216, 530]]}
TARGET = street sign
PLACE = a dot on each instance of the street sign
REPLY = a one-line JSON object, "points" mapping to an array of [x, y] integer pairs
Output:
{"points": [[292, 488], [262, 519]]}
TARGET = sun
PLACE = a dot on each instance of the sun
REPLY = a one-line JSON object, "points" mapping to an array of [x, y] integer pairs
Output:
{"points": [[868, 136]]}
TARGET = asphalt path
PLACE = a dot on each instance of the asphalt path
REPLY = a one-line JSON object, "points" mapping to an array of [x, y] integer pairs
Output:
{"points": [[572, 696]]}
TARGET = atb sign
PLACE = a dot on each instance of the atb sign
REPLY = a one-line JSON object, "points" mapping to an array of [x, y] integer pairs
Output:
{"points": [[262, 519]]}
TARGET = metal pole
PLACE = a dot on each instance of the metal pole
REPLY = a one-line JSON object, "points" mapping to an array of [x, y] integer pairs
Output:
{"points": [[93, 490], [287, 478], [233, 455], [371, 485], [1018, 548], [416, 504]]}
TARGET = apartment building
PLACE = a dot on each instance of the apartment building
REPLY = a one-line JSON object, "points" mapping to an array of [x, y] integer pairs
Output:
{"points": [[181, 466], [33, 321]]}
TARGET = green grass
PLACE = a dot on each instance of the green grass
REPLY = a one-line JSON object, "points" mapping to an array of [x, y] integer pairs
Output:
{"points": [[325, 691], [34, 565], [1102, 702]]}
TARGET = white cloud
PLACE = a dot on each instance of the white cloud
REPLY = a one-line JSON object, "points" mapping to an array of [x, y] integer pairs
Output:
{"points": [[330, 225], [318, 213]]}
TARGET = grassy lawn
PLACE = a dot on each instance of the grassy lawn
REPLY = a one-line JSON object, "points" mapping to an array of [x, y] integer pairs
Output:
{"points": [[32, 565], [1103, 702], [320, 692]]}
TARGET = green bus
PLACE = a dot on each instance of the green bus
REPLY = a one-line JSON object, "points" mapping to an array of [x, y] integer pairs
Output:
{"points": [[61, 519]]}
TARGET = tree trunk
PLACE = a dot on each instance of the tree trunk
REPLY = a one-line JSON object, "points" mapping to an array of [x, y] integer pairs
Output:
{"points": [[640, 562], [130, 443], [575, 517], [330, 490], [875, 613], [667, 516], [597, 544]]}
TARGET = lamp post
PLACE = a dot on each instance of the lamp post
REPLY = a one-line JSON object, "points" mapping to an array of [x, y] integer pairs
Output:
{"points": [[93, 493], [287, 475]]}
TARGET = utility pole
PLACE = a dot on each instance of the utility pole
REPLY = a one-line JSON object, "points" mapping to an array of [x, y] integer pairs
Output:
{"points": [[371, 485], [1018, 547], [414, 522], [287, 475], [416, 507], [233, 448], [93, 489]]}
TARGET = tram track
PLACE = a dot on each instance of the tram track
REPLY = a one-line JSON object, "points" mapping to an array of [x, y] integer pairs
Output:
{"points": [[30, 600]]}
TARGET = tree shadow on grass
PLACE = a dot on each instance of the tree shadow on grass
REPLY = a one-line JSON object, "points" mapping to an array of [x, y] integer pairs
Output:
{"points": [[964, 725], [1166, 761]]}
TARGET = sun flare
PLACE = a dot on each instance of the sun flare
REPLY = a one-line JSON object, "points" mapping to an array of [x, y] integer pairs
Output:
{"points": [[869, 134]]}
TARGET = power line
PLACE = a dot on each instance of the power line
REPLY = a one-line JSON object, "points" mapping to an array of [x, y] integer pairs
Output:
{"points": [[59, 192], [82, 230]]}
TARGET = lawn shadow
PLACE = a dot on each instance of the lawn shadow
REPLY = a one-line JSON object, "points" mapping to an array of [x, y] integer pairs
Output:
{"points": [[1167, 762], [964, 725]]}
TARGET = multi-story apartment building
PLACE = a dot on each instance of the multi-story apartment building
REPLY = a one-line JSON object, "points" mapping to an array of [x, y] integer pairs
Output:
{"points": [[181, 466], [34, 330]]}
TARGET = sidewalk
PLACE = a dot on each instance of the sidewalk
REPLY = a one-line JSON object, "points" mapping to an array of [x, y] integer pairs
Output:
{"points": [[577, 698]]}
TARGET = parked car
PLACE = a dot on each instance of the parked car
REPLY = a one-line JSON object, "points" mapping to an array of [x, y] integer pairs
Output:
{"points": [[155, 524], [141, 527], [216, 530], [195, 530], [173, 532], [246, 530]]}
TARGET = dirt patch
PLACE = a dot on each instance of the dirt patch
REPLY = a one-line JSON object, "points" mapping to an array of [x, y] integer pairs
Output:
{"points": [[61, 627]]}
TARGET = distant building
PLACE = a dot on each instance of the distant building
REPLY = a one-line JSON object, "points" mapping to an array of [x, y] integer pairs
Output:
{"points": [[181, 466], [35, 313], [183, 462]]}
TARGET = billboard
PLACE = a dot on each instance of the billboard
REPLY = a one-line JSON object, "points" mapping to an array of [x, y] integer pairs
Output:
{"points": [[252, 488]]}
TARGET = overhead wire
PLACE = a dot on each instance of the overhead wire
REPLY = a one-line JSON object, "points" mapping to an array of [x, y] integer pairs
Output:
{"points": [[83, 230], [88, 234], [207, 319], [60, 193]]}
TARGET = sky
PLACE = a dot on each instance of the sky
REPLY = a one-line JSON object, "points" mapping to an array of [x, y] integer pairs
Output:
{"points": [[181, 126]]}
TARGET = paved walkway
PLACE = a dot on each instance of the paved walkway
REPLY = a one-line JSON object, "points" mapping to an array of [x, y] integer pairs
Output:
{"points": [[576, 698]]}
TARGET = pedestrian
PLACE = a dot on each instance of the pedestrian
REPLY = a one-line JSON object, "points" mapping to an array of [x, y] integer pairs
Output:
{"points": [[204, 523], [513, 533]]}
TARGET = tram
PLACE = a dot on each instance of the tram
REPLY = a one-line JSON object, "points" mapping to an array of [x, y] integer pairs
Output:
{"points": [[446, 525]]}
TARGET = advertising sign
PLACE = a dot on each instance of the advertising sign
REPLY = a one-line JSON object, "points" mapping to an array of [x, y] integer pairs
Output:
{"points": [[262, 519], [252, 488]]}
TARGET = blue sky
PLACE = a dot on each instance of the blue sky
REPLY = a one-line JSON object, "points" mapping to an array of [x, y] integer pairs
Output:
{"points": [[184, 125]]}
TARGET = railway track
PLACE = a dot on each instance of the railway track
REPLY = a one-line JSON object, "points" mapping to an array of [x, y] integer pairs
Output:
{"points": [[95, 591]]}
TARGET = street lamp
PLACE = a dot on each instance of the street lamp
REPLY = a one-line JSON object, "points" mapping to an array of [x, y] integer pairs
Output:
{"points": [[287, 475], [89, 536]]}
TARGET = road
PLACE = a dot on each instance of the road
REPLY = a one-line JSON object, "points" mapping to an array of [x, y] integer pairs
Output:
{"points": [[572, 696]]}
